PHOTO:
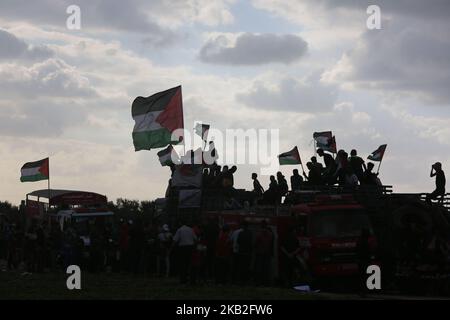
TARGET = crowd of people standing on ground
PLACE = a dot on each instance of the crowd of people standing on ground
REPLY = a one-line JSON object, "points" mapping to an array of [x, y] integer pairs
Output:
{"points": [[197, 253]]}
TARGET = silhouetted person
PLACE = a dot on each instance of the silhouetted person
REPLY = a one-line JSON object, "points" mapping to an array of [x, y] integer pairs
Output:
{"points": [[436, 171], [185, 240], [206, 179], [330, 166], [223, 252], [370, 178], [289, 250], [357, 164], [271, 194], [318, 166], [313, 178], [341, 166], [283, 187], [257, 188], [296, 180], [350, 178], [263, 251], [245, 245]]}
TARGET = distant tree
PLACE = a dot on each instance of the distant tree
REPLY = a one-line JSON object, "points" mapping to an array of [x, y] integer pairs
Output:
{"points": [[8, 208], [147, 207], [126, 208]]}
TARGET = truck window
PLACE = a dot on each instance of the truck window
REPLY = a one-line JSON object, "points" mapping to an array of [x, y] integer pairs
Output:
{"points": [[339, 223]]}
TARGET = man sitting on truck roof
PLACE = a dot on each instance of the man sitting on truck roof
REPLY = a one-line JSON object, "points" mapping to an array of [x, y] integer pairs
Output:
{"points": [[436, 171]]}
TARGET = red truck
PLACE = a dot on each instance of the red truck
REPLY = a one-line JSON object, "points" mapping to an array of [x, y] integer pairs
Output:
{"points": [[327, 229]]}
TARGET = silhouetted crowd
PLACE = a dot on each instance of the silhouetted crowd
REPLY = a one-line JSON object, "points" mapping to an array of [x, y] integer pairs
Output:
{"points": [[195, 252], [347, 171]]}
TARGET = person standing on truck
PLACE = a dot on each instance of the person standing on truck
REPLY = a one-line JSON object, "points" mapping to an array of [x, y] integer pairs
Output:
{"points": [[357, 164], [283, 187], [258, 190], [313, 178], [436, 171], [296, 180], [318, 166], [271, 194], [370, 178], [330, 167]]}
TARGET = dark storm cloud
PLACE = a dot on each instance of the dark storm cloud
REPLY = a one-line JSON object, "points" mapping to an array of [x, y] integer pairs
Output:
{"points": [[13, 48], [254, 49], [115, 15]]}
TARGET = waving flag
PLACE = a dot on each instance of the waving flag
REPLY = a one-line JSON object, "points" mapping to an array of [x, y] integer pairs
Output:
{"points": [[202, 130], [290, 157], [156, 117], [187, 175], [325, 140], [35, 171], [378, 154], [168, 156]]}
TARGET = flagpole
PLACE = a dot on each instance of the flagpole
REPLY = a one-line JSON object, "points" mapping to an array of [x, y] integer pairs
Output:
{"points": [[379, 165], [48, 185]]}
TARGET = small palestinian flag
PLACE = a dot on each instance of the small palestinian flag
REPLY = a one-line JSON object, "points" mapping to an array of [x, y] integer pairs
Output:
{"points": [[378, 154], [325, 141], [35, 171], [202, 130], [290, 157], [156, 118], [168, 156]]}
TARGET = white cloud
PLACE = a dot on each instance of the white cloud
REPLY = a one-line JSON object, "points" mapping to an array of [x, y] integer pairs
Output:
{"points": [[307, 95]]}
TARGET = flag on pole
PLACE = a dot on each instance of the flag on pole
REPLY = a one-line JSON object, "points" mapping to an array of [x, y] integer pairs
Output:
{"points": [[378, 154], [35, 171], [325, 141], [193, 157], [290, 157], [168, 156], [156, 117], [210, 156], [202, 130], [187, 175]]}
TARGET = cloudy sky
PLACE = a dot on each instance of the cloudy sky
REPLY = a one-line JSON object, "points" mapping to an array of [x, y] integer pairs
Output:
{"points": [[295, 65]]}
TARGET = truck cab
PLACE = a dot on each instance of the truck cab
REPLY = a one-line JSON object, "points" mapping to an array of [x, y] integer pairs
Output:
{"points": [[328, 233]]}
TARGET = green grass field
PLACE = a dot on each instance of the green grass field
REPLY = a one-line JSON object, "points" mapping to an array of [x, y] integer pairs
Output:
{"points": [[120, 286]]}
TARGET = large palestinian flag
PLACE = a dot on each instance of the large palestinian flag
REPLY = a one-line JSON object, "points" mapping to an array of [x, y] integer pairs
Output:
{"points": [[35, 171], [156, 117], [378, 154], [290, 157]]}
